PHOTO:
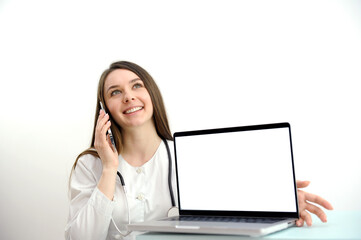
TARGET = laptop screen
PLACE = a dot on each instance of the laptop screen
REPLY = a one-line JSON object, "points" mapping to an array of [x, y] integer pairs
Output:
{"points": [[242, 169]]}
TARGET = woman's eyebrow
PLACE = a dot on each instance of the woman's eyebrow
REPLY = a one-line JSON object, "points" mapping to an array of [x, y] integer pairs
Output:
{"points": [[111, 87], [116, 86], [134, 80]]}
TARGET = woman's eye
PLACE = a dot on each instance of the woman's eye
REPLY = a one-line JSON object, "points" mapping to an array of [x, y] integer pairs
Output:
{"points": [[137, 85], [115, 92]]}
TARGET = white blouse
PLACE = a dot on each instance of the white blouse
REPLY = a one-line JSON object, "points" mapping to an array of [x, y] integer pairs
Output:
{"points": [[90, 211]]}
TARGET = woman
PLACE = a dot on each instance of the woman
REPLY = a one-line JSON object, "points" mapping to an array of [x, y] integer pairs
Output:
{"points": [[139, 124]]}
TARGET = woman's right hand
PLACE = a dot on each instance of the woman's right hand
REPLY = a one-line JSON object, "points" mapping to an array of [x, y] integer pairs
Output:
{"points": [[107, 152]]}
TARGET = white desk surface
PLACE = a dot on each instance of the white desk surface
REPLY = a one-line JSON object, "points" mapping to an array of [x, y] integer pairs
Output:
{"points": [[340, 225]]}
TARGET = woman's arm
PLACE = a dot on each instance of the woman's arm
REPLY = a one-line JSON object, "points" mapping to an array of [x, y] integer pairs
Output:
{"points": [[90, 210], [108, 154], [91, 205]]}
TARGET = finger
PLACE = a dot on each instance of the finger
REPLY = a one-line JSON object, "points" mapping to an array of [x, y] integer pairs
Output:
{"points": [[101, 131], [302, 184], [101, 115], [317, 211], [101, 121], [306, 217], [105, 128], [300, 222], [319, 200]]}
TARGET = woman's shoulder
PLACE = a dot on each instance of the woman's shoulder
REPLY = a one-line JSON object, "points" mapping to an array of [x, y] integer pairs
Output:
{"points": [[86, 171], [89, 159], [168, 145]]}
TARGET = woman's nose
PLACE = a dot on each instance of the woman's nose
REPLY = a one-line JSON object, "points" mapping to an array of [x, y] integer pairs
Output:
{"points": [[128, 97]]}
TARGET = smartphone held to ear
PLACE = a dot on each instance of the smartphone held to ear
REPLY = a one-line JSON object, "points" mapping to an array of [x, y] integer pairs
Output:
{"points": [[109, 131]]}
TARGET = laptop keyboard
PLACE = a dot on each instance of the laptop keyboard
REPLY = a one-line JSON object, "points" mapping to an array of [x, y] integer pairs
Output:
{"points": [[226, 219]]}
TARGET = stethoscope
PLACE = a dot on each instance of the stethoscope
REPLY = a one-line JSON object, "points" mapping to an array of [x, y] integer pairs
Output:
{"points": [[171, 212]]}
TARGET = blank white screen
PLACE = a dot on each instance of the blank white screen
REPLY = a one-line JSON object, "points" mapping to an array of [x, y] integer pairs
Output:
{"points": [[238, 171]]}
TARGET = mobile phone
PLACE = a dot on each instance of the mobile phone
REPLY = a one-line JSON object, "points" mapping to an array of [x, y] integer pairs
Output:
{"points": [[109, 131]]}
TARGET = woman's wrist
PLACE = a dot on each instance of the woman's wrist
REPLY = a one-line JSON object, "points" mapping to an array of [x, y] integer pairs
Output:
{"points": [[109, 170], [107, 182]]}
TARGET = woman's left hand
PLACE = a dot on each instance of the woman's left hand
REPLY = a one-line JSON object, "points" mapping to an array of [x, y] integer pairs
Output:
{"points": [[305, 204]]}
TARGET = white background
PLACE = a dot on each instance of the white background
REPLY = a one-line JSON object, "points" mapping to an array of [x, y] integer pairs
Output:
{"points": [[217, 63]]}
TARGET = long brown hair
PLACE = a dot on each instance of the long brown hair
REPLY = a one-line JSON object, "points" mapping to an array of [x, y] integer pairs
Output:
{"points": [[159, 113]]}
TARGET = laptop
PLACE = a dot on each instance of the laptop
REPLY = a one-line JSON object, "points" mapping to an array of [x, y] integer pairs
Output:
{"points": [[233, 181]]}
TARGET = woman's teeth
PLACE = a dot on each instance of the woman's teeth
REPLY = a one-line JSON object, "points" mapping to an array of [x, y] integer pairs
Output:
{"points": [[133, 110]]}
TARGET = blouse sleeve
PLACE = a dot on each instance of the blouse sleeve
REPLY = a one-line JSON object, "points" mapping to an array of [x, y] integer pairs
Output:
{"points": [[90, 210]]}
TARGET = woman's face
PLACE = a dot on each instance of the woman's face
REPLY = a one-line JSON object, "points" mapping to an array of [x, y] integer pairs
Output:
{"points": [[127, 99]]}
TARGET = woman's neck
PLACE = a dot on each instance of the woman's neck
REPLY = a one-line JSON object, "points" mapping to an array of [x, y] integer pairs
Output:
{"points": [[139, 145]]}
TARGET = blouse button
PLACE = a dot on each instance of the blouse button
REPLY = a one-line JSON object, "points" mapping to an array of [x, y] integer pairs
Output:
{"points": [[139, 170], [140, 197], [117, 236]]}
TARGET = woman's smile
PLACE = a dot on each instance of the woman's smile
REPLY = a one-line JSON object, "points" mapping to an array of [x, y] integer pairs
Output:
{"points": [[132, 110]]}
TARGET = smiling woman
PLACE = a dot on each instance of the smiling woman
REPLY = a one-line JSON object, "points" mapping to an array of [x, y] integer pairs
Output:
{"points": [[138, 121]]}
